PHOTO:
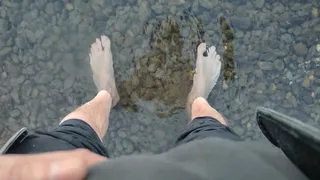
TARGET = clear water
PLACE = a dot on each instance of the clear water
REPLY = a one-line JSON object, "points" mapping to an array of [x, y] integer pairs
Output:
{"points": [[270, 56]]}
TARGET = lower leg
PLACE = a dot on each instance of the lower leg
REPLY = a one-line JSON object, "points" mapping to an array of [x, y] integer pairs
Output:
{"points": [[207, 73], [201, 108], [95, 113]]}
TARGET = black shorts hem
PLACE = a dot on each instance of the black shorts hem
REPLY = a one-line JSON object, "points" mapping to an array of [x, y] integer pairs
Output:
{"points": [[206, 127], [71, 134]]}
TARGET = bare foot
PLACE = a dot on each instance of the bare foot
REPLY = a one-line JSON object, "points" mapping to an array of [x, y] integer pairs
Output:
{"points": [[207, 73], [102, 67]]}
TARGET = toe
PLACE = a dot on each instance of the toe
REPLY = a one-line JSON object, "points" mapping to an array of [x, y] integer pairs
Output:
{"points": [[212, 51], [218, 57], [105, 42], [201, 49], [94, 48], [98, 43]]}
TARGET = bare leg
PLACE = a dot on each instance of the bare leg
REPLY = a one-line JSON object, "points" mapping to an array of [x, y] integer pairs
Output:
{"points": [[207, 74], [96, 112]]}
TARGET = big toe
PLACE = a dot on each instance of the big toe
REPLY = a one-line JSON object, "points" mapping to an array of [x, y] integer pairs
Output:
{"points": [[201, 49], [105, 42]]}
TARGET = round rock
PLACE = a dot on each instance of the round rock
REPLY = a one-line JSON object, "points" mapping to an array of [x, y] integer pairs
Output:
{"points": [[300, 49]]}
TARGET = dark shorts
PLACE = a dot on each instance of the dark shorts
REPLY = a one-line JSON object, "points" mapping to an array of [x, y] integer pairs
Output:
{"points": [[73, 134], [70, 135]]}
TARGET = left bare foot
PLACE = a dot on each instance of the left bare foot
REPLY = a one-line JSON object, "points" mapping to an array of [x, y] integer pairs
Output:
{"points": [[102, 67]]}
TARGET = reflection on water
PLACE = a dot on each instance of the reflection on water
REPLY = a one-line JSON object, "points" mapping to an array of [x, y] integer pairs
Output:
{"points": [[270, 53]]}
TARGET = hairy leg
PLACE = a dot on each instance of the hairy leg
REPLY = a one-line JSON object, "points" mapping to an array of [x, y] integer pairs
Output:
{"points": [[206, 76], [96, 112]]}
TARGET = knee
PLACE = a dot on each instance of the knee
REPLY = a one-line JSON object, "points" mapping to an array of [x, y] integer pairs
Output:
{"points": [[200, 107]]}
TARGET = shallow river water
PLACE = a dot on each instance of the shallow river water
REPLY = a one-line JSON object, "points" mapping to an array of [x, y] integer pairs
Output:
{"points": [[270, 50]]}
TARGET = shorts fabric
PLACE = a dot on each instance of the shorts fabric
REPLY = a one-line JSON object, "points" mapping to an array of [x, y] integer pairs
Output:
{"points": [[206, 127], [70, 135], [75, 133]]}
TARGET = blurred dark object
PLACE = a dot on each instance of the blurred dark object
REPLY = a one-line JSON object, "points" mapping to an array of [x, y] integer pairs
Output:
{"points": [[299, 141]]}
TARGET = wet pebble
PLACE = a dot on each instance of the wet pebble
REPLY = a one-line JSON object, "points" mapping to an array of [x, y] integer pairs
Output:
{"points": [[300, 49], [144, 11], [307, 98], [258, 3], [208, 4], [243, 23], [239, 130], [159, 134], [306, 82], [68, 83], [289, 75], [15, 113], [279, 64], [265, 65], [122, 133], [134, 128], [128, 146], [44, 78], [15, 96], [5, 51]]}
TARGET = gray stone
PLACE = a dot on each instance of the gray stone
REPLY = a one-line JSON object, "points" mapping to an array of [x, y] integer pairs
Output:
{"points": [[306, 82], [265, 65], [39, 35], [12, 70], [128, 146], [239, 34], [158, 134], [209, 4], [17, 81], [4, 25], [50, 9], [291, 99], [145, 120], [158, 8], [41, 54], [2, 44], [307, 98], [15, 96], [279, 64], [31, 37], [58, 6], [5, 51], [44, 78], [300, 49], [239, 130], [287, 38], [134, 128], [15, 113], [68, 83], [122, 133], [289, 75], [144, 11], [258, 3], [261, 87], [258, 72], [243, 23], [118, 143], [35, 93], [29, 70]]}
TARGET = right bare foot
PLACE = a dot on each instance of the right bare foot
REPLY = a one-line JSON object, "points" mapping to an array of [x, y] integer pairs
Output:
{"points": [[102, 67], [207, 73]]}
